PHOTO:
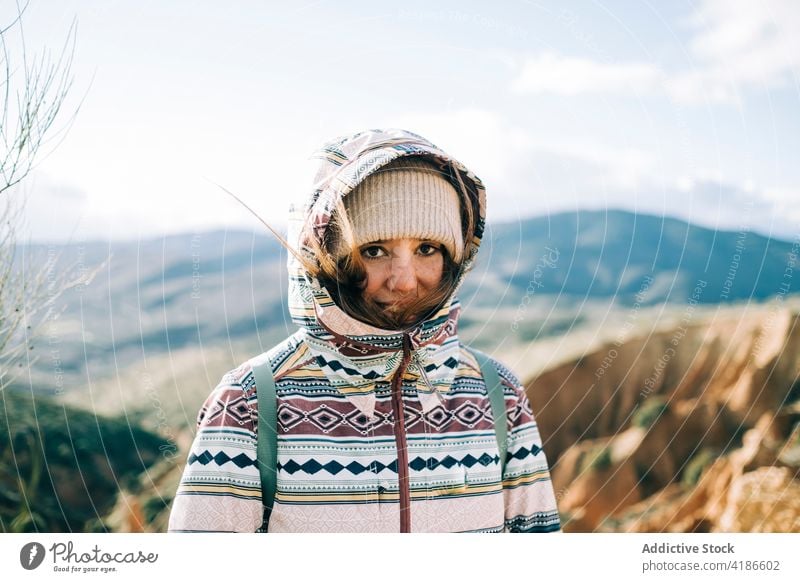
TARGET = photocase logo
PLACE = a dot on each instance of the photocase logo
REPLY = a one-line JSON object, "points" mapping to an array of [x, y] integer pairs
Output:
{"points": [[31, 555]]}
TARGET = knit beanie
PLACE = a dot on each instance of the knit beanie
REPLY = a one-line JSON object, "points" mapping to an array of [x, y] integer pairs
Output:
{"points": [[407, 198]]}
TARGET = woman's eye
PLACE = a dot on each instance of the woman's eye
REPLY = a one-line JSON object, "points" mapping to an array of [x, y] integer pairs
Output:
{"points": [[428, 249], [372, 252]]}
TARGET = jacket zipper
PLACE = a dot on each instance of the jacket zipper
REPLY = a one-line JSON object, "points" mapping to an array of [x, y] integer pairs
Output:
{"points": [[400, 438]]}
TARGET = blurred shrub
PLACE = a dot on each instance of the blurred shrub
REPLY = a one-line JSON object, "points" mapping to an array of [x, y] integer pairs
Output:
{"points": [[60, 467], [695, 467], [649, 412], [598, 458]]}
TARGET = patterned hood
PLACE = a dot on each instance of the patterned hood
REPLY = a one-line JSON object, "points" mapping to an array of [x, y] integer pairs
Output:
{"points": [[357, 357]]}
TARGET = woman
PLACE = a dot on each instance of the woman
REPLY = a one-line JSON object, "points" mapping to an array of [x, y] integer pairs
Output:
{"points": [[383, 419]]}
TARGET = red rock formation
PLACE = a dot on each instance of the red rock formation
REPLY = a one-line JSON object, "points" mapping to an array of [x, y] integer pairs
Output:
{"points": [[664, 406]]}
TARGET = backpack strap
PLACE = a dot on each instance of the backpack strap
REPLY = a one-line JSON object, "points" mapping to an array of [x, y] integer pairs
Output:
{"points": [[495, 389], [267, 437]]}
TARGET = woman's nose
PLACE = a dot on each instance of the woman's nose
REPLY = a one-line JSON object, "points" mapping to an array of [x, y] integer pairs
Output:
{"points": [[403, 277]]}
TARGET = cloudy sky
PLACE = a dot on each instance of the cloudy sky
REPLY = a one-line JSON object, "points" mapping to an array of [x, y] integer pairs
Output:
{"points": [[689, 109]]}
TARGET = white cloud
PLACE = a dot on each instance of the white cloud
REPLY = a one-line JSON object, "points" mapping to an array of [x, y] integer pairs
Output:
{"points": [[533, 173], [620, 167], [51, 210], [735, 44], [784, 200], [784, 195], [528, 173], [740, 44], [552, 73], [750, 41], [479, 138]]}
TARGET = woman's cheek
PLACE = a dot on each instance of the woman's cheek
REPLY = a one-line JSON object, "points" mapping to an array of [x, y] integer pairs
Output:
{"points": [[432, 271], [375, 277]]}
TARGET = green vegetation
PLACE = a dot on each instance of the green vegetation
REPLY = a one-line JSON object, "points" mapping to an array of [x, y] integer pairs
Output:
{"points": [[695, 467], [794, 393], [61, 468], [155, 506], [646, 480], [598, 458], [649, 412]]}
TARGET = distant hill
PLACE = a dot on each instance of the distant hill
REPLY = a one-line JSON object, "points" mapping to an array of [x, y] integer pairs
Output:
{"points": [[156, 296], [229, 287], [614, 253]]}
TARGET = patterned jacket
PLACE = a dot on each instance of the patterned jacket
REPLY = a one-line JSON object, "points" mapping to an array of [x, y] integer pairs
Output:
{"points": [[378, 430]]}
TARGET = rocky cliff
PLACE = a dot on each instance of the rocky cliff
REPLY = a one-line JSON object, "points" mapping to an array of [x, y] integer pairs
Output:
{"points": [[693, 428]]}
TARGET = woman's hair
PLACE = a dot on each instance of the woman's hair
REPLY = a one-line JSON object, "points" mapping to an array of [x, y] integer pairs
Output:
{"points": [[345, 278]]}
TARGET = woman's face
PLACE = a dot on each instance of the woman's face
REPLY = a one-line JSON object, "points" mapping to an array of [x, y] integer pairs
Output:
{"points": [[400, 271]]}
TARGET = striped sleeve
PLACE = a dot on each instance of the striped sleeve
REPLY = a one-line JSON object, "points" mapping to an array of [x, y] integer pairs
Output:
{"points": [[220, 489], [530, 504]]}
